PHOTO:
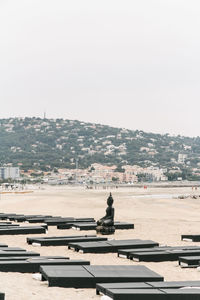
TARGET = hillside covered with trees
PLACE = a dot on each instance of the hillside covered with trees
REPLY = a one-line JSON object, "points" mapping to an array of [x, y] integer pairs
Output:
{"points": [[48, 144]]}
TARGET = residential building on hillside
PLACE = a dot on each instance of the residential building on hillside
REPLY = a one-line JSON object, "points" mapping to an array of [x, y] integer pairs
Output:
{"points": [[182, 158]]}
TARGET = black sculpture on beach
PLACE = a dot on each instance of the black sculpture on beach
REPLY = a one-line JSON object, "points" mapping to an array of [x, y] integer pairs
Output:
{"points": [[106, 224]]}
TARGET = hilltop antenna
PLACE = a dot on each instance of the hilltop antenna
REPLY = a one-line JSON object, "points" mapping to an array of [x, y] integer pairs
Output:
{"points": [[44, 114]]}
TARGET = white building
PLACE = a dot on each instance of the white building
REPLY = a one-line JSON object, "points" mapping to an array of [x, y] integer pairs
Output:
{"points": [[9, 172], [182, 158]]}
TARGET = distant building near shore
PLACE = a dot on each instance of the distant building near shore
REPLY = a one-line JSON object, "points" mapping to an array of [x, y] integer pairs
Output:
{"points": [[9, 172]]}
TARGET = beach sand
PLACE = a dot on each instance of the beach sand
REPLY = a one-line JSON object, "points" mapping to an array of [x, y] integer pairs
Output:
{"points": [[156, 215]]}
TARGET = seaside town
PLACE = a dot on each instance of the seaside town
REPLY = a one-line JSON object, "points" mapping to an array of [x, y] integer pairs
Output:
{"points": [[95, 174], [59, 151], [100, 174]]}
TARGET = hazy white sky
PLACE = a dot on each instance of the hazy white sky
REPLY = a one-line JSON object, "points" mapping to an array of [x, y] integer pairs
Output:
{"points": [[133, 64]]}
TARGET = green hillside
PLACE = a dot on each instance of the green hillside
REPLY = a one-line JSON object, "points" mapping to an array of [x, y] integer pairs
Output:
{"points": [[46, 144]]}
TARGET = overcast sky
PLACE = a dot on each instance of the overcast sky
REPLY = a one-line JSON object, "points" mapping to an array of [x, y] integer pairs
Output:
{"points": [[132, 64]]}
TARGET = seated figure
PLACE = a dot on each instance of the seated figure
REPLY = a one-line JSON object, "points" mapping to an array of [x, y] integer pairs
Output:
{"points": [[106, 224]]}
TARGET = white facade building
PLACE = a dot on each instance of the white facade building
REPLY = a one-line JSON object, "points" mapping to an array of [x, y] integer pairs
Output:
{"points": [[9, 172], [182, 158]]}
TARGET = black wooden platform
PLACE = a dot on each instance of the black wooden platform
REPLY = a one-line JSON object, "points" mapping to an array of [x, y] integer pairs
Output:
{"points": [[89, 276], [23, 218], [65, 226], [174, 284], [159, 256], [33, 265], [189, 261], [102, 287], [111, 245], [125, 253], [11, 217], [2, 296], [39, 219], [17, 253], [57, 221], [22, 230], [3, 245], [154, 294], [12, 249], [63, 241], [2, 226], [92, 226], [14, 258], [5, 216], [191, 237], [5, 222], [31, 240]]}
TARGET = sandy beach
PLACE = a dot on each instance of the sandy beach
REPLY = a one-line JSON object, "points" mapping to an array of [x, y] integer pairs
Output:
{"points": [[155, 213]]}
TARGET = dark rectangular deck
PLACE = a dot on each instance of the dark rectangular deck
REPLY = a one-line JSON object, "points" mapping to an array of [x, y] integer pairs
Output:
{"points": [[22, 218], [22, 230], [5, 222], [174, 284], [64, 241], [191, 237], [92, 226], [102, 287], [31, 240], [125, 253], [38, 219], [33, 265], [57, 221], [8, 225], [89, 276], [12, 249], [154, 294], [6, 216], [111, 245], [65, 226], [189, 261], [17, 253], [14, 258], [155, 256]]}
